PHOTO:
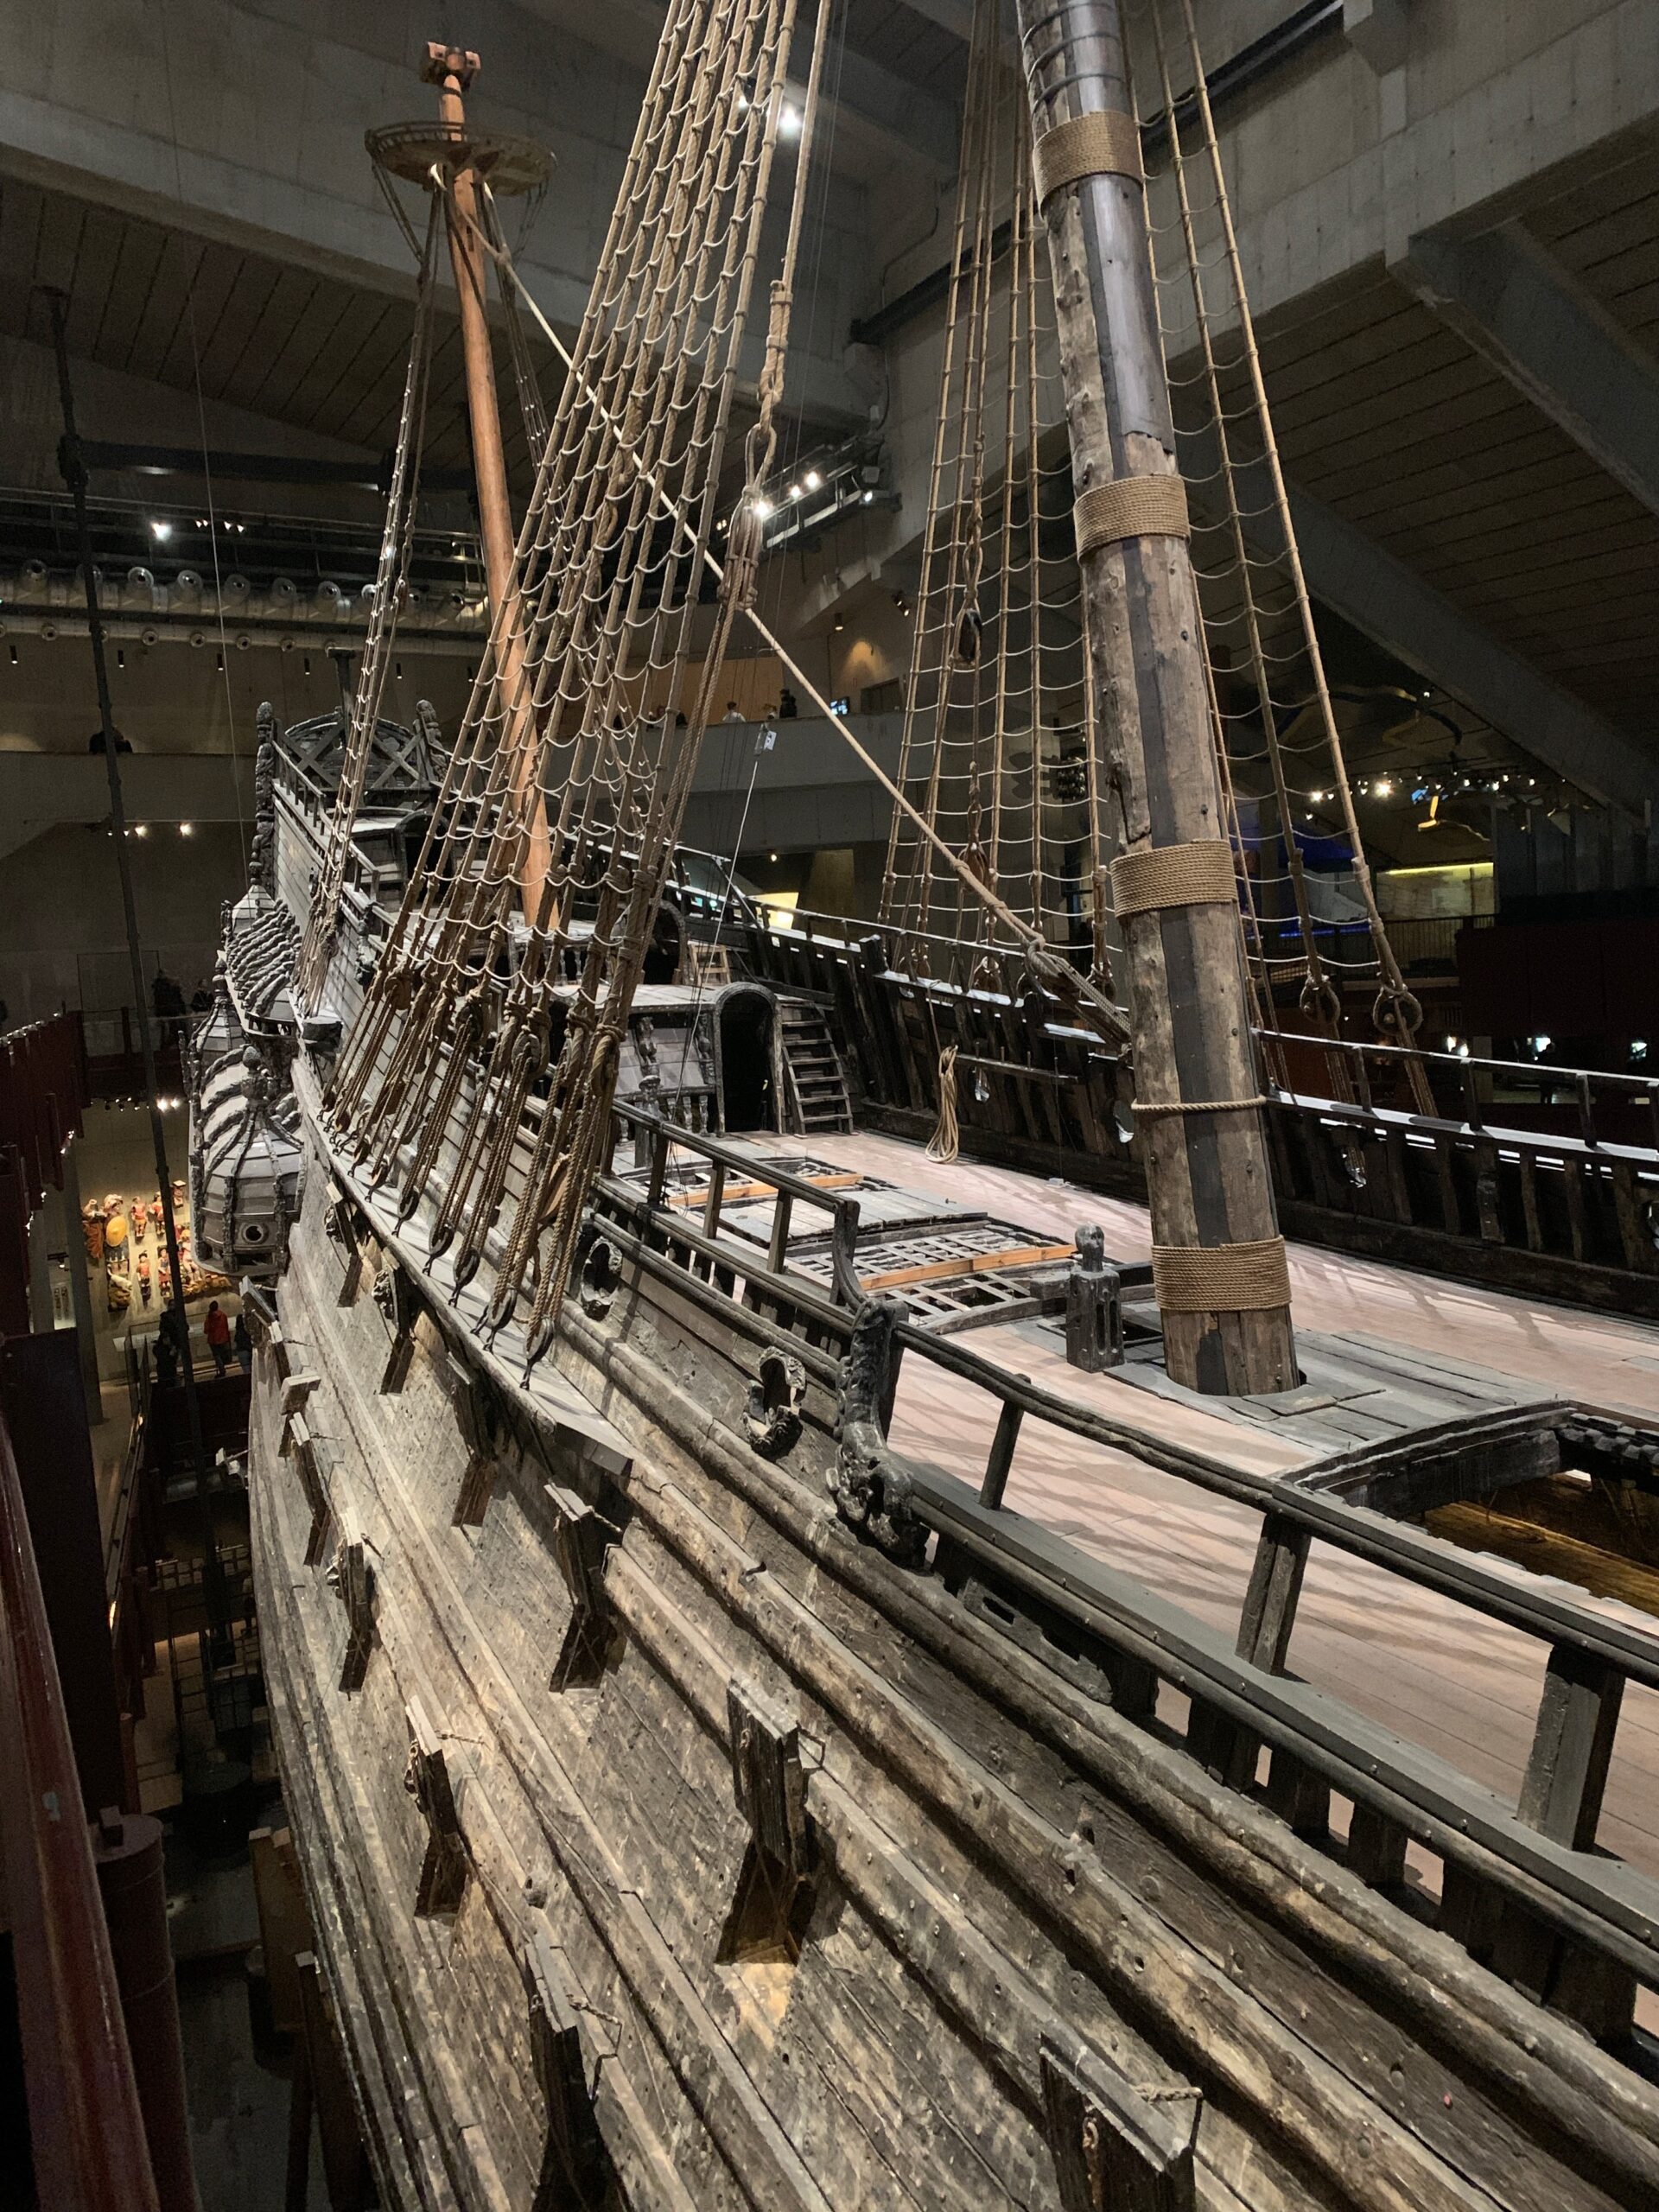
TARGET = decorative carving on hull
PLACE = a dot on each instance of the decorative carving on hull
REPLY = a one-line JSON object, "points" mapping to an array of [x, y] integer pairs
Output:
{"points": [[868, 1481]]}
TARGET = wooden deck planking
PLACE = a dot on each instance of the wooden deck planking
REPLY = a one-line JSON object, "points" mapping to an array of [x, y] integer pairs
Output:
{"points": [[1460, 1686]]}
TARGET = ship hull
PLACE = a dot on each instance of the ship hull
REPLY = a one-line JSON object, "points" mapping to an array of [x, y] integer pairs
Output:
{"points": [[810, 1882]]}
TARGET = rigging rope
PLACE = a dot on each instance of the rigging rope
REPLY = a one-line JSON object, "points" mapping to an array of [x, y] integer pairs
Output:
{"points": [[1396, 1013], [488, 1048], [997, 749], [390, 588]]}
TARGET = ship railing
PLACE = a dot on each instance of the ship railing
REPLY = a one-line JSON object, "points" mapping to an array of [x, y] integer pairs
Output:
{"points": [[1473, 1079], [1526, 1887], [660, 1138], [87, 2131]]}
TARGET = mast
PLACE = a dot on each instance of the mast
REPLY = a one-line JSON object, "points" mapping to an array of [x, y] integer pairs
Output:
{"points": [[453, 70], [1218, 1260]]}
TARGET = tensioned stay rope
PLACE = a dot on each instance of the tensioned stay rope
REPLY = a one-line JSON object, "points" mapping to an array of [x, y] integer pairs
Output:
{"points": [[485, 1032]]}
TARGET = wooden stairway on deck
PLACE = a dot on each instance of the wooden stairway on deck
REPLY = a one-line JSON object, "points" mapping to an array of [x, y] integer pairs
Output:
{"points": [[817, 1088]]}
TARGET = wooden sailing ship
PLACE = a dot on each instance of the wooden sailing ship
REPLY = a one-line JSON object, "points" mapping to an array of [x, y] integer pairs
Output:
{"points": [[801, 1678]]}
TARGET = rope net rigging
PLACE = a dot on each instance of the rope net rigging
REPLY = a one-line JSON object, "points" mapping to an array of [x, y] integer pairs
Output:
{"points": [[484, 1060], [997, 751], [999, 758], [1275, 724]]}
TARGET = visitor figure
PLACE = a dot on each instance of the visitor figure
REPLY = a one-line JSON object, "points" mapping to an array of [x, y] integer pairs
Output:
{"points": [[217, 1330], [733, 712], [788, 706], [243, 1344]]}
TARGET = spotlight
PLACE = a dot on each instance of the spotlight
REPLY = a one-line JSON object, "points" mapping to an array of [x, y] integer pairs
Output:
{"points": [[789, 122], [763, 508], [867, 499], [1384, 788], [814, 481], [1638, 1048], [141, 829], [794, 491], [1540, 1047], [186, 829], [839, 624], [160, 530]]}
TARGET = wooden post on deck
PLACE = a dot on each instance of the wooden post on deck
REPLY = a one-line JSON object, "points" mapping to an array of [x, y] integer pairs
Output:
{"points": [[452, 70], [1218, 1262]]}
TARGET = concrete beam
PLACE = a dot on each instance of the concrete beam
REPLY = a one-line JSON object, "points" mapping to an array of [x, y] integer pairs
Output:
{"points": [[1510, 298], [1393, 606], [1378, 29], [877, 110], [956, 17]]}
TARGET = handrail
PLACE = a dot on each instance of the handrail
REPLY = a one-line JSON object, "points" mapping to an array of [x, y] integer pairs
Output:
{"points": [[1427, 1561], [1567, 1883], [792, 1190], [86, 2128], [1533, 1070]]}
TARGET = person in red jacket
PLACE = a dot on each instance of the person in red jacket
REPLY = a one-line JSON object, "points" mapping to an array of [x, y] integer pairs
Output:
{"points": [[217, 1330]]}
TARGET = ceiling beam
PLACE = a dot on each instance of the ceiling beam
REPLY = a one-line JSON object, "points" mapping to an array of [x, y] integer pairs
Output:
{"points": [[956, 17], [1393, 606], [1510, 298]]}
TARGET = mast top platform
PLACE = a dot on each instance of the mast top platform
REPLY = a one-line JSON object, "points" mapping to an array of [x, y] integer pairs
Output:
{"points": [[411, 150]]}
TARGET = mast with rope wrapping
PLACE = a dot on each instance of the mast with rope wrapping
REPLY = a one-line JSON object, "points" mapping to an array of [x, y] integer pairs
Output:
{"points": [[1219, 1267]]}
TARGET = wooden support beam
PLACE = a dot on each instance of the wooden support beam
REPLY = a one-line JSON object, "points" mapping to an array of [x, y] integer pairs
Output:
{"points": [[580, 1539], [285, 1922], [399, 1301], [341, 1223], [427, 1778], [479, 1417], [345, 2170], [572, 2151], [1094, 1306], [351, 1579], [1113, 2146], [1572, 1748]]}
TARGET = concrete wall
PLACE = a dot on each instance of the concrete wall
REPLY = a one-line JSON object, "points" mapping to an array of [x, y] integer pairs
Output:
{"points": [[62, 939], [243, 120]]}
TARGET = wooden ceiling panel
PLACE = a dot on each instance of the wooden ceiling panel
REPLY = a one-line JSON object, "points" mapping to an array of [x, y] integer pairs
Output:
{"points": [[169, 312]]}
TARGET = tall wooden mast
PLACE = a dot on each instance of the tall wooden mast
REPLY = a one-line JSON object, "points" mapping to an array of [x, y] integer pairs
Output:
{"points": [[453, 70], [1218, 1260]]}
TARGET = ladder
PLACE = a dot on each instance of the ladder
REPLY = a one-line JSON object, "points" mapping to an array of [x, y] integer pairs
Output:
{"points": [[818, 1089]]}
